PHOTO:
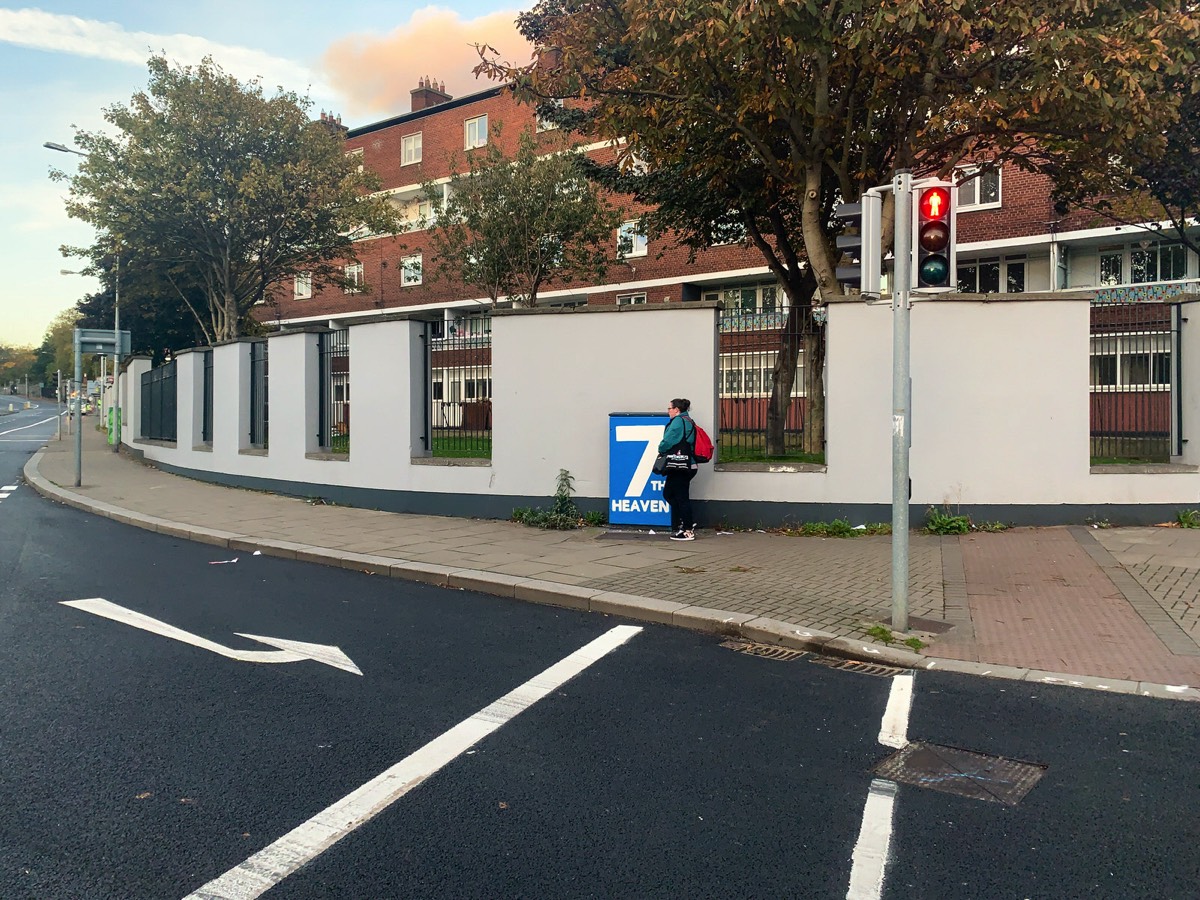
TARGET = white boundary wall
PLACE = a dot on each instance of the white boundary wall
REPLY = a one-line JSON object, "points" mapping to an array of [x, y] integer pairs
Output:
{"points": [[999, 407]]}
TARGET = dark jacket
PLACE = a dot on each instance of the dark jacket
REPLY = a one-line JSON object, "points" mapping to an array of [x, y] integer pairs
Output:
{"points": [[679, 428]]}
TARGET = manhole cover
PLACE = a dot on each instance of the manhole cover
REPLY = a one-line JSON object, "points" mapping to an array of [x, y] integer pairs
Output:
{"points": [[978, 776], [767, 651], [853, 665]]}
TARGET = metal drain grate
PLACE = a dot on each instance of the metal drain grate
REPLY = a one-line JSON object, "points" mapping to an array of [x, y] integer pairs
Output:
{"points": [[766, 651], [978, 776], [863, 668]]}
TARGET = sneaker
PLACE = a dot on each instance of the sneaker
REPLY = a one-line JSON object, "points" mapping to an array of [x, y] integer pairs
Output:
{"points": [[682, 535]]}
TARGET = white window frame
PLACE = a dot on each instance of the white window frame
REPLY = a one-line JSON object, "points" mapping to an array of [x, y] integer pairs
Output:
{"points": [[411, 270], [968, 179], [1125, 253], [471, 141], [639, 244], [543, 124], [354, 279], [410, 149], [356, 154], [1119, 346], [631, 299], [302, 286], [1002, 262]]}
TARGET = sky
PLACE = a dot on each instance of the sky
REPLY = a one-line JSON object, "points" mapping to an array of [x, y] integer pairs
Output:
{"points": [[62, 64]]}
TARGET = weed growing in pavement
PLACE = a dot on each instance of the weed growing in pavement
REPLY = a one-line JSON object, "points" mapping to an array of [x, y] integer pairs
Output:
{"points": [[915, 643], [938, 522], [881, 634], [1097, 523], [992, 527], [1188, 518], [837, 528], [564, 515]]}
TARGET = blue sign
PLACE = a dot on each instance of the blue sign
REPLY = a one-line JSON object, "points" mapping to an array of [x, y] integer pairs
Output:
{"points": [[634, 491]]}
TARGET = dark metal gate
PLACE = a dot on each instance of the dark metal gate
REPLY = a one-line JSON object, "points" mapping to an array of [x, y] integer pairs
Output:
{"points": [[754, 329], [459, 373], [206, 420], [259, 408], [333, 423], [159, 403], [1134, 382]]}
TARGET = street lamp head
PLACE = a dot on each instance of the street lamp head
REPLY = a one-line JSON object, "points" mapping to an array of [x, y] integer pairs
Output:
{"points": [[51, 145]]}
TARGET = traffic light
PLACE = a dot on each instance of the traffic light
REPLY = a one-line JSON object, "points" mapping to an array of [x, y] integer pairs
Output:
{"points": [[863, 244], [933, 238]]}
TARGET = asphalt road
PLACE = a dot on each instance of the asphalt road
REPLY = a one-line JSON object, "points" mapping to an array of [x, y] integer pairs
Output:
{"points": [[134, 765]]}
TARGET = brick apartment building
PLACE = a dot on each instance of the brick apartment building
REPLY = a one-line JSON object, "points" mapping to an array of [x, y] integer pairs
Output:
{"points": [[1009, 239]]}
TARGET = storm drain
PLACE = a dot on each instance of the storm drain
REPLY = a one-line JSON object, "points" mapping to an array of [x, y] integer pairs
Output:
{"points": [[977, 776], [853, 665], [766, 651]]}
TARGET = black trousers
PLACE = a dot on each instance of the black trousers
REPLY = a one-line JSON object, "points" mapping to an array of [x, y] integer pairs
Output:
{"points": [[677, 493]]}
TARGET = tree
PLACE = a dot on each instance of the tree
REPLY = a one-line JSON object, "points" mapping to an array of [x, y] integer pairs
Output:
{"points": [[763, 115], [215, 184], [508, 225], [1159, 186], [16, 363], [57, 351]]}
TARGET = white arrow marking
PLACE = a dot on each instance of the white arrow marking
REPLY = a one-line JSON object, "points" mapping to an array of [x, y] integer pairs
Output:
{"points": [[289, 651]]}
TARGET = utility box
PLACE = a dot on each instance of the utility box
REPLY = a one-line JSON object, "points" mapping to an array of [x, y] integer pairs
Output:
{"points": [[634, 490]]}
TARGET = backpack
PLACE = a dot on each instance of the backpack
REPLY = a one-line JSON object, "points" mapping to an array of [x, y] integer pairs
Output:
{"points": [[704, 445]]}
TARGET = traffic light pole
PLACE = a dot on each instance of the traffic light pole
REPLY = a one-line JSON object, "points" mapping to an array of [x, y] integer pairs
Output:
{"points": [[901, 397]]}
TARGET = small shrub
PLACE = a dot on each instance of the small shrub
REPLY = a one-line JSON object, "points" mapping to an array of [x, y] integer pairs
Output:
{"points": [[840, 528], [992, 527], [595, 519], [564, 515], [937, 522], [1188, 518]]}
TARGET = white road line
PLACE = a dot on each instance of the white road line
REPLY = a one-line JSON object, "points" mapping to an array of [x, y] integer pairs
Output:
{"points": [[4, 495], [870, 857], [306, 842], [10, 487], [33, 425], [874, 841], [894, 731]]}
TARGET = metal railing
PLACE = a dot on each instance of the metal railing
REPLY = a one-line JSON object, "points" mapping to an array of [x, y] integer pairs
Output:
{"points": [[1134, 380], [259, 407], [159, 403], [206, 416], [333, 419], [750, 344], [459, 387]]}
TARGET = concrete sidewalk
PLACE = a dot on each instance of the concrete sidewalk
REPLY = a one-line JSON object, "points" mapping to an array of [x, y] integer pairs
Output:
{"points": [[1113, 609]]}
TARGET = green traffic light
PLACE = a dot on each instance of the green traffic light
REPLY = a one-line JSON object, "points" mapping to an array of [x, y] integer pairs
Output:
{"points": [[935, 271]]}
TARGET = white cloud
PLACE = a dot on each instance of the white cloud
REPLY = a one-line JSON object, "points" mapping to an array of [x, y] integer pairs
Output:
{"points": [[74, 36]]}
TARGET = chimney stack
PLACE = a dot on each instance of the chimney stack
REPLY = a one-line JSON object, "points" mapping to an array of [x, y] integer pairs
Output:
{"points": [[428, 93]]}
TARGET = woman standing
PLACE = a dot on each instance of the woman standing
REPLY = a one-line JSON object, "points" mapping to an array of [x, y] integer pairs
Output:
{"points": [[680, 437]]}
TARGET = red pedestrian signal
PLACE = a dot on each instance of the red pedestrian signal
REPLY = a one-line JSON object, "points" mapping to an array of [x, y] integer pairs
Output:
{"points": [[934, 256]]}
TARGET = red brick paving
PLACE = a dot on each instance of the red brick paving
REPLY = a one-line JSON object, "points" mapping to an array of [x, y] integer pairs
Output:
{"points": [[1039, 601]]}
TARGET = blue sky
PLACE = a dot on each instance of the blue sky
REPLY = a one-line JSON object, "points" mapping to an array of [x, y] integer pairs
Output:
{"points": [[61, 64]]}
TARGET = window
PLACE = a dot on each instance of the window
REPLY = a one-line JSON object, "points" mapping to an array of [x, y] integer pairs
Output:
{"points": [[546, 124], [354, 279], [748, 300], [631, 241], [978, 189], [630, 299], [356, 156], [475, 132], [1145, 261], [410, 149], [302, 289], [1138, 361], [410, 270], [990, 276]]}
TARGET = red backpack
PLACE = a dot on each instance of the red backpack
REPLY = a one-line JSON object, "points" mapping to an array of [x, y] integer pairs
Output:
{"points": [[704, 445]]}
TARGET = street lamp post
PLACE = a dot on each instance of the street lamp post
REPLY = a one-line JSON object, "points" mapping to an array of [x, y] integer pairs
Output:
{"points": [[116, 399]]}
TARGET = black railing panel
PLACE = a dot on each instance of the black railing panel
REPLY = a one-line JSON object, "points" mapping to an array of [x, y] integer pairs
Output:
{"points": [[460, 387], [259, 407], [206, 418], [159, 403], [333, 419]]}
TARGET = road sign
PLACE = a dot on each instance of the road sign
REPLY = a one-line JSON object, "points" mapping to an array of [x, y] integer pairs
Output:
{"points": [[100, 340], [289, 651]]}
